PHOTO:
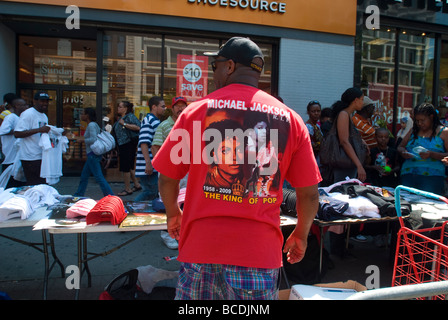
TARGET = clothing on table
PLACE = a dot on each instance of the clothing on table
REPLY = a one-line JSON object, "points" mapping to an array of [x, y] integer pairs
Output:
{"points": [[15, 207], [80, 208], [385, 204], [147, 131], [22, 202], [244, 226], [31, 119], [366, 129], [358, 206]]}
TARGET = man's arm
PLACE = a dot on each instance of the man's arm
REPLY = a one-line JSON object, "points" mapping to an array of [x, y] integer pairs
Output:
{"points": [[307, 206], [27, 133], [145, 152], [169, 191], [155, 149]]}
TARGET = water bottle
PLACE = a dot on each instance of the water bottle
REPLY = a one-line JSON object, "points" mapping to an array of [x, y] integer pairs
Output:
{"points": [[380, 160]]}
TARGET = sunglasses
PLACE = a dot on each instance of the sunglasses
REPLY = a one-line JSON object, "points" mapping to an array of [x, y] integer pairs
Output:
{"points": [[213, 63], [313, 102]]}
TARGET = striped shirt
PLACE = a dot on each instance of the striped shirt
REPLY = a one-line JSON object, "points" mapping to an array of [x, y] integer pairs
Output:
{"points": [[146, 135], [366, 130]]}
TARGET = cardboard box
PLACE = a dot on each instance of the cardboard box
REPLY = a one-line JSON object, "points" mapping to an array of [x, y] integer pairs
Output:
{"points": [[348, 285]]}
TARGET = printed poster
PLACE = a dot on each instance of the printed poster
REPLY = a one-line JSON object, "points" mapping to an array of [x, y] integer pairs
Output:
{"points": [[192, 76], [244, 161]]}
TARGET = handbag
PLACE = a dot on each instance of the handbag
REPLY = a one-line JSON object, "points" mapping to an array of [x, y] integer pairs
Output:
{"points": [[332, 154], [104, 143]]}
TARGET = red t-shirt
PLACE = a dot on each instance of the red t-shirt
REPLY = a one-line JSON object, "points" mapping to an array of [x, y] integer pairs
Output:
{"points": [[231, 213]]}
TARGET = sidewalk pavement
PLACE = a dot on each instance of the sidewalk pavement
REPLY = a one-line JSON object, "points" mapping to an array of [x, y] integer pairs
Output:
{"points": [[22, 267]]}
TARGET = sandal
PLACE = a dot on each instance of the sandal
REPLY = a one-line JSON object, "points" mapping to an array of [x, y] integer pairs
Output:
{"points": [[124, 193], [136, 189]]}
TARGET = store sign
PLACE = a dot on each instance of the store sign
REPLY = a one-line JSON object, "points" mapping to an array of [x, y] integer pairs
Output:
{"points": [[261, 5], [337, 17], [192, 76]]}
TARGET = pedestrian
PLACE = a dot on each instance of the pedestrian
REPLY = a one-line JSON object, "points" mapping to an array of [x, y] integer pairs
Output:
{"points": [[351, 100], [9, 143], [32, 123], [230, 242], [313, 109], [383, 163], [5, 107], [143, 168], [92, 166], [362, 120], [126, 131], [325, 121], [423, 148], [178, 105]]}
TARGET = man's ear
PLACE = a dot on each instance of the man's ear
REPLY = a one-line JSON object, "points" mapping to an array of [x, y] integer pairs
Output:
{"points": [[230, 65]]}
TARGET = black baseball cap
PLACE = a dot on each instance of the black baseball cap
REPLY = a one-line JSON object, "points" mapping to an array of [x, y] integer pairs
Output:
{"points": [[240, 50], [41, 95]]}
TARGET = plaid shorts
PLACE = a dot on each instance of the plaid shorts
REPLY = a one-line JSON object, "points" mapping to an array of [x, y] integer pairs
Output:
{"points": [[226, 282]]}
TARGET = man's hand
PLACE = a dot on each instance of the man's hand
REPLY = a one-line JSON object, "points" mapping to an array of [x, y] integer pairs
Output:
{"points": [[173, 225], [295, 249], [149, 169]]}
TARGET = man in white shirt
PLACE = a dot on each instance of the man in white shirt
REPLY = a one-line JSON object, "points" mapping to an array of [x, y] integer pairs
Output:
{"points": [[9, 148], [32, 123]]}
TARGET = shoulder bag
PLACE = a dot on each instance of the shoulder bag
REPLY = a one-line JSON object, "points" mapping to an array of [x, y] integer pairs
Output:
{"points": [[332, 154], [104, 143]]}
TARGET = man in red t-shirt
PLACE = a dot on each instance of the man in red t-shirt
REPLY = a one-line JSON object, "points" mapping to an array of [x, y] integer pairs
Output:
{"points": [[238, 145]]}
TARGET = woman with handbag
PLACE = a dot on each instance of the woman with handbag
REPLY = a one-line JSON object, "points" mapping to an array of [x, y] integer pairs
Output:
{"points": [[343, 150], [92, 165], [126, 131]]}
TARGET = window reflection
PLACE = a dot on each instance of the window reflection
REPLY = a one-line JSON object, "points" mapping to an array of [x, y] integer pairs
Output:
{"points": [[137, 67], [415, 71], [57, 61]]}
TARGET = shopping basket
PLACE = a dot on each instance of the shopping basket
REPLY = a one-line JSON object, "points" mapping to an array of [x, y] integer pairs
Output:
{"points": [[421, 255]]}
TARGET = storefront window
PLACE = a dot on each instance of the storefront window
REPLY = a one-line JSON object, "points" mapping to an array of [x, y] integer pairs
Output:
{"points": [[132, 70], [57, 61], [415, 71], [378, 69], [443, 80], [187, 70], [137, 67]]}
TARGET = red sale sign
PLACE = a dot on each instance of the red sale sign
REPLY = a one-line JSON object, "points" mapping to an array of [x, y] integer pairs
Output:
{"points": [[192, 74]]}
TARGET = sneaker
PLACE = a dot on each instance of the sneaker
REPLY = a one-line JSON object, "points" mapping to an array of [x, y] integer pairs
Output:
{"points": [[359, 238], [168, 241]]}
